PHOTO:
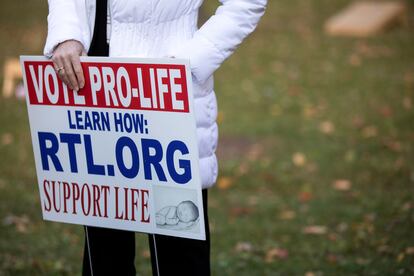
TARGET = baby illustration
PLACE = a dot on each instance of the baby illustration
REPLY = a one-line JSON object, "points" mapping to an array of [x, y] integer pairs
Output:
{"points": [[184, 214]]}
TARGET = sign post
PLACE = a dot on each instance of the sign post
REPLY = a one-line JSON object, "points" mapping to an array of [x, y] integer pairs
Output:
{"points": [[120, 153]]}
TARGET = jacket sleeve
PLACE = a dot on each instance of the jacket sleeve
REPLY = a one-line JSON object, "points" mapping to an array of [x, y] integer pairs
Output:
{"points": [[217, 39], [66, 20]]}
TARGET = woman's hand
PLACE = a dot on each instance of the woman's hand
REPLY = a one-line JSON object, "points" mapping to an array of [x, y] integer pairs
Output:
{"points": [[66, 59]]}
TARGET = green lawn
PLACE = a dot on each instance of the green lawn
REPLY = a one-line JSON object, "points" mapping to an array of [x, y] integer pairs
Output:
{"points": [[316, 153]]}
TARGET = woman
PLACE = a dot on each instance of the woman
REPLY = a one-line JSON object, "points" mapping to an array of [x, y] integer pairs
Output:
{"points": [[152, 28]]}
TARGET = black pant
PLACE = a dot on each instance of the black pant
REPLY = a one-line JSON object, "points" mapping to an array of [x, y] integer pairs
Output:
{"points": [[113, 252]]}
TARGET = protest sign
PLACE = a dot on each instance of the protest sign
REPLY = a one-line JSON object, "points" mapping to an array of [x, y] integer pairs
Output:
{"points": [[121, 152]]}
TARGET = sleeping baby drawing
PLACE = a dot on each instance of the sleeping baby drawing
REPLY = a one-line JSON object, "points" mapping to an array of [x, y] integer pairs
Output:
{"points": [[180, 217]]}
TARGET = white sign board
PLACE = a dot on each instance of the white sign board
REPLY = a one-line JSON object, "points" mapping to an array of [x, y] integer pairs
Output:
{"points": [[120, 153]]}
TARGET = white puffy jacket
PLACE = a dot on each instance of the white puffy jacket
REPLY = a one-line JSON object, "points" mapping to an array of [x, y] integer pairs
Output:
{"points": [[162, 28]]}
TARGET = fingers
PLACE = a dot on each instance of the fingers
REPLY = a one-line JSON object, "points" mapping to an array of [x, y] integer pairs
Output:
{"points": [[77, 69], [64, 70], [69, 70], [66, 59], [60, 69], [70, 74]]}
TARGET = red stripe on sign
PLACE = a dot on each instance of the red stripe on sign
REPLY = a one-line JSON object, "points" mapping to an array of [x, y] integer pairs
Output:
{"points": [[160, 87]]}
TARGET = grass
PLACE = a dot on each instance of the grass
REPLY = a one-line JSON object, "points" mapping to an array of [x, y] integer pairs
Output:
{"points": [[343, 107]]}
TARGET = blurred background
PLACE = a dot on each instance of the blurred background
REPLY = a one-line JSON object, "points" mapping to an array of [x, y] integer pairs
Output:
{"points": [[316, 149]]}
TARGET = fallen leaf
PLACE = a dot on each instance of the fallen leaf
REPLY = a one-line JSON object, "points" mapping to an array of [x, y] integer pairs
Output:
{"points": [[406, 206], [357, 121], [243, 168], [304, 208], [333, 237], [342, 185], [354, 60], [311, 167], [2, 184], [252, 200], [224, 183], [309, 111], [342, 227], [267, 177], [305, 196], [369, 218], [327, 127], [315, 230], [265, 162], [372, 51], [362, 261], [275, 110], [276, 253], [393, 145], [400, 257], [332, 258], [409, 78], [287, 215], [349, 156], [299, 159], [255, 152], [386, 111], [399, 163], [409, 250], [369, 131], [240, 211], [58, 265], [146, 254], [243, 247], [6, 139], [247, 85], [384, 249], [220, 117], [407, 103], [21, 223]]}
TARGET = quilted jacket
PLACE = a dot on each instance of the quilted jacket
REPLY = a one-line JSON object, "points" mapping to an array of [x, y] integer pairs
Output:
{"points": [[163, 28]]}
